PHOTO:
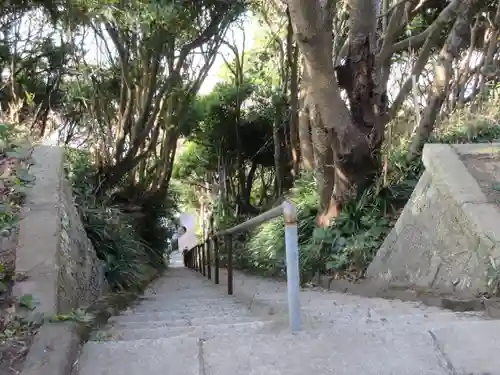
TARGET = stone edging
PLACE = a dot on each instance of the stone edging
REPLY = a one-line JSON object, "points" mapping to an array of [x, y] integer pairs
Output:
{"points": [[54, 350], [447, 237], [371, 289], [56, 347], [443, 162]]}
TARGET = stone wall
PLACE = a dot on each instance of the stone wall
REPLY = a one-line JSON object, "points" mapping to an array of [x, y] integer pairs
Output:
{"points": [[448, 235], [54, 253]]}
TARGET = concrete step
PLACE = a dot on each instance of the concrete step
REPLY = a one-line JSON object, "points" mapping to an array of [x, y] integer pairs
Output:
{"points": [[124, 334], [175, 315], [196, 322], [315, 318], [179, 307], [173, 356], [205, 331], [187, 300], [204, 294], [339, 350], [204, 291]]}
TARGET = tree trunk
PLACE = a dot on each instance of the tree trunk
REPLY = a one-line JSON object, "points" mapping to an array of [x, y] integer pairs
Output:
{"points": [[443, 73], [325, 168], [355, 135], [293, 62], [277, 150], [306, 146]]}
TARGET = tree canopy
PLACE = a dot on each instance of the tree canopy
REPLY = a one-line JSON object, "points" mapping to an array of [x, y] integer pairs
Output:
{"points": [[328, 89]]}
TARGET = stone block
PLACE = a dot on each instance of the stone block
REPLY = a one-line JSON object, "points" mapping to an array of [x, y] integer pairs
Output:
{"points": [[62, 268], [444, 164], [446, 234]]}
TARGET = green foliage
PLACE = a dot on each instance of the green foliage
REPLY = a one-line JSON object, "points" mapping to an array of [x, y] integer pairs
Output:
{"points": [[116, 236], [233, 122], [15, 158], [228, 111], [348, 245]]}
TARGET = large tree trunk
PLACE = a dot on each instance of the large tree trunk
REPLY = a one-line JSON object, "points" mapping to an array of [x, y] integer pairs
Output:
{"points": [[304, 124], [355, 135]]}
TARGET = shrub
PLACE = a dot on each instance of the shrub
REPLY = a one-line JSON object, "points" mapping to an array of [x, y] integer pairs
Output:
{"points": [[349, 244], [15, 160], [130, 251]]}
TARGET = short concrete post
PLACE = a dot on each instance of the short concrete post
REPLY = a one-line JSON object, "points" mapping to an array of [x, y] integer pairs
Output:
{"points": [[292, 265]]}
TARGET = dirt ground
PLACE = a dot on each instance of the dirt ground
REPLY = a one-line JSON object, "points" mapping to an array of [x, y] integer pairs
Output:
{"points": [[16, 335], [13, 352]]}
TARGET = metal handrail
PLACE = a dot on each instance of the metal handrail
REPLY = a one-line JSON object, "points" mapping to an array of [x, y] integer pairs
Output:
{"points": [[198, 258]]}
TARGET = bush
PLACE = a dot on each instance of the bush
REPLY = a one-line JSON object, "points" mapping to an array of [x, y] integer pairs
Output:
{"points": [[349, 244], [15, 160], [131, 244]]}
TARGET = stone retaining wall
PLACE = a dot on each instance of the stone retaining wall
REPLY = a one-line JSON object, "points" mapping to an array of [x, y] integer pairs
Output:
{"points": [[448, 235], [61, 267]]}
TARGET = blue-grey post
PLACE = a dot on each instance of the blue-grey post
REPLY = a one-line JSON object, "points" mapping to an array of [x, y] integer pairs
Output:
{"points": [[292, 265]]}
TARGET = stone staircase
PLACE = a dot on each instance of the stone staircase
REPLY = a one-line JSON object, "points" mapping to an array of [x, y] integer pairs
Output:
{"points": [[184, 325]]}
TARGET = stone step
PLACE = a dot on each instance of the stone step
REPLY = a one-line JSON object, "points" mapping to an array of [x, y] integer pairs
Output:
{"points": [[186, 299], [205, 331], [159, 306], [197, 322], [205, 293], [393, 320], [340, 350], [173, 356], [175, 315], [125, 334]]}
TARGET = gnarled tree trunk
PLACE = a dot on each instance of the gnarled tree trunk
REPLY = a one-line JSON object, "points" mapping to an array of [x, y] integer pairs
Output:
{"points": [[355, 135]]}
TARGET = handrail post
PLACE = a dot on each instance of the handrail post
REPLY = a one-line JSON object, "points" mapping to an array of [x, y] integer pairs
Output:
{"points": [[289, 213], [197, 258], [210, 245], [216, 260], [203, 255], [229, 248], [195, 261], [292, 265], [209, 264]]}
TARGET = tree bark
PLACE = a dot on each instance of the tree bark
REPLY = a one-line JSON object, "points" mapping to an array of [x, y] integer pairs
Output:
{"points": [[305, 136], [443, 71], [356, 134], [293, 62], [306, 146]]}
